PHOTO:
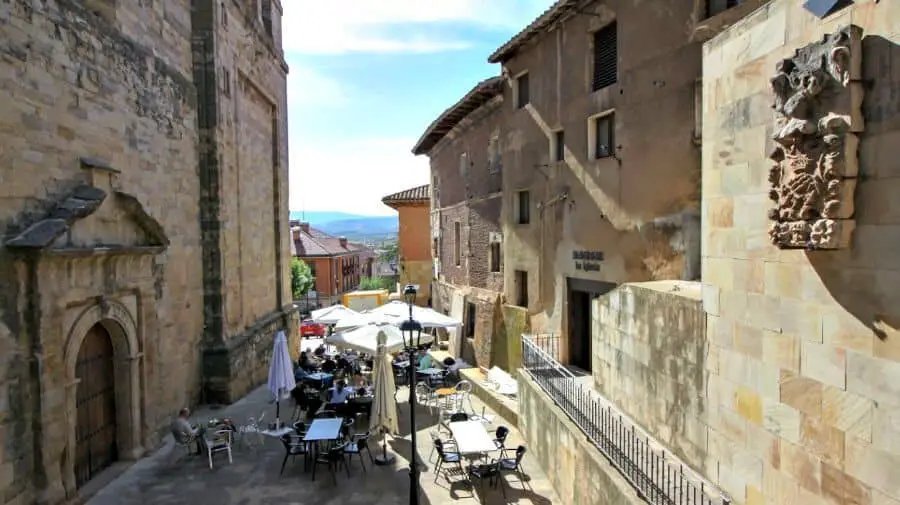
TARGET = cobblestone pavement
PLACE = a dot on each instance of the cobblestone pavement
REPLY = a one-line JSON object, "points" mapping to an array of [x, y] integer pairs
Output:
{"points": [[172, 478]]}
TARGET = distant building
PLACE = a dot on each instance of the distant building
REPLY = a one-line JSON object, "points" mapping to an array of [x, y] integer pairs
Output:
{"points": [[337, 264], [414, 238]]}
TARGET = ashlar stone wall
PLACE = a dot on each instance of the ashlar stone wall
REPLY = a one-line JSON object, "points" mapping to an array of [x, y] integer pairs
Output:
{"points": [[804, 389]]}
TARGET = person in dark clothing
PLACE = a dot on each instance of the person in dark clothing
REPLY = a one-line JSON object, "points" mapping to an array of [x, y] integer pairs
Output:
{"points": [[329, 366]]}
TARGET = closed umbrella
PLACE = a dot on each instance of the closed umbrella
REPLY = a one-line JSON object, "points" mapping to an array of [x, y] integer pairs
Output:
{"points": [[384, 408], [281, 374]]}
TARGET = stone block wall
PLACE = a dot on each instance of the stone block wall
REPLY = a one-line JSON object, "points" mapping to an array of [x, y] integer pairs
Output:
{"points": [[804, 353], [578, 471], [649, 350]]}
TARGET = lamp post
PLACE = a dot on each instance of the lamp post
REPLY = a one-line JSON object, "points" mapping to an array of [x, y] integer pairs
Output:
{"points": [[412, 336]]}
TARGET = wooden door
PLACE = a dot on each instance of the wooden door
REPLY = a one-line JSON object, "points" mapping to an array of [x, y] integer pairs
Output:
{"points": [[95, 429]]}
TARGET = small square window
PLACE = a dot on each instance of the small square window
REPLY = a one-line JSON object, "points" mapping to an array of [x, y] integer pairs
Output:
{"points": [[523, 207], [494, 259], [523, 94]]}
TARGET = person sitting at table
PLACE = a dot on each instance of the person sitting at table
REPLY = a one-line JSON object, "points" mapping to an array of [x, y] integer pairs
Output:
{"points": [[183, 430], [306, 363], [338, 398], [425, 360], [343, 364], [320, 351], [328, 366]]}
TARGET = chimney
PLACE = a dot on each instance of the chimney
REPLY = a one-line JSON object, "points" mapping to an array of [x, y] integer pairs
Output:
{"points": [[343, 241], [305, 227], [295, 232]]}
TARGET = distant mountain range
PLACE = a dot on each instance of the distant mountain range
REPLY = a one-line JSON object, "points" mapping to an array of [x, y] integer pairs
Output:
{"points": [[353, 226]]}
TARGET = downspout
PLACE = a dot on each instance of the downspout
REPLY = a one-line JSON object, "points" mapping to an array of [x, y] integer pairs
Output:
{"points": [[36, 366]]}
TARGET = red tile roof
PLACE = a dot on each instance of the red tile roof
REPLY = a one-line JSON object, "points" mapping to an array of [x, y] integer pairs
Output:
{"points": [[418, 194], [318, 243], [483, 92], [558, 10]]}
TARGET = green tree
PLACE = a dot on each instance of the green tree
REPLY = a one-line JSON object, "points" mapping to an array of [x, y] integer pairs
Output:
{"points": [[391, 253], [372, 283], [301, 278]]}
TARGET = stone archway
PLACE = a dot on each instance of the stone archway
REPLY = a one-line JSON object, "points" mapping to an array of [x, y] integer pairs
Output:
{"points": [[115, 319]]}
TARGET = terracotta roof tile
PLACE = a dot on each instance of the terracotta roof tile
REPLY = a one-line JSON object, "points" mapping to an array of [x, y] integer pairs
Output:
{"points": [[559, 9], [417, 194], [482, 93], [318, 243]]}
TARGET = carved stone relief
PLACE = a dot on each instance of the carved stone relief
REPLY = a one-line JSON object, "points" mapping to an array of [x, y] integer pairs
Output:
{"points": [[818, 98]]}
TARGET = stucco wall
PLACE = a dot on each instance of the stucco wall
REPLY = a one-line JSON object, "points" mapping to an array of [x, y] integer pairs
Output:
{"points": [[649, 350], [580, 474], [414, 235], [636, 209], [805, 351]]}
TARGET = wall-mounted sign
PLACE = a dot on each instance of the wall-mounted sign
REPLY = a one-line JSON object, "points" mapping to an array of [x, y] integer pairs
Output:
{"points": [[588, 261]]}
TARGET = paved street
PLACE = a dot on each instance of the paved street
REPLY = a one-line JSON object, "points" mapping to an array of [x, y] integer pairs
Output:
{"points": [[253, 477]]}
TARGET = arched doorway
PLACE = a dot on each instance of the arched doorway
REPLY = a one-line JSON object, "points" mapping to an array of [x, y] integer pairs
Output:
{"points": [[96, 440]]}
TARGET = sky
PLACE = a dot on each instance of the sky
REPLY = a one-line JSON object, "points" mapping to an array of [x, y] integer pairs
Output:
{"points": [[368, 76]]}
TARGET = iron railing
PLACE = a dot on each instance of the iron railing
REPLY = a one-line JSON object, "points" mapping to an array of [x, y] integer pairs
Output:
{"points": [[656, 475]]}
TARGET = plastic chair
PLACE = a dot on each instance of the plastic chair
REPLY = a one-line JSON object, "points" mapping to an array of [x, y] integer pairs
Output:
{"points": [[219, 442]]}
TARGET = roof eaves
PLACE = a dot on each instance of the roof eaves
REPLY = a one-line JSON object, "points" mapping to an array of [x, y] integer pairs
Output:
{"points": [[553, 13], [480, 94]]}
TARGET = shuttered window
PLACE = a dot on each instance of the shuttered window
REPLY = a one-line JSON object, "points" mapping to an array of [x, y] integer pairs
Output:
{"points": [[606, 55]]}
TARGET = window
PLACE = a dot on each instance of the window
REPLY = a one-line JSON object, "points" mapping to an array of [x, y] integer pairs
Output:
{"points": [[522, 94], [457, 247], [602, 132], [267, 16], [558, 146], [312, 269], [226, 82], [698, 111], [606, 56], [224, 14], [522, 288], [435, 251], [494, 258], [471, 311], [523, 207]]}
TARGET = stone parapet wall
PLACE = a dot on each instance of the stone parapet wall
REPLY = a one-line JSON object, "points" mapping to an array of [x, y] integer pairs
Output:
{"points": [[580, 474]]}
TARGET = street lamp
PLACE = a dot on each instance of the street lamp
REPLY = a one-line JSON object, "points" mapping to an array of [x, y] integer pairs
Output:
{"points": [[412, 336]]}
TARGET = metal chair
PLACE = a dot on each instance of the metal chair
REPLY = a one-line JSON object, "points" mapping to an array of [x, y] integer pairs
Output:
{"points": [[219, 442], [294, 446]]}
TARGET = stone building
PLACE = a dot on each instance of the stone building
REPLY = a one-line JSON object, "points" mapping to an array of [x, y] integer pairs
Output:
{"points": [[601, 160], [137, 277], [337, 264], [464, 148], [413, 207]]}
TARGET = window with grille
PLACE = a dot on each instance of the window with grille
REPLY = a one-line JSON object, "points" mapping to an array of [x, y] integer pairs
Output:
{"points": [[523, 94], [606, 56], [523, 207], [494, 259], [604, 136]]}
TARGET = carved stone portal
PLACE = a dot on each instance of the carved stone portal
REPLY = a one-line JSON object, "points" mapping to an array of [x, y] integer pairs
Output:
{"points": [[818, 99]]}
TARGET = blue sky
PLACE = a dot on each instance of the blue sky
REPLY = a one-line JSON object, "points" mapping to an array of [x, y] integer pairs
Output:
{"points": [[366, 79]]}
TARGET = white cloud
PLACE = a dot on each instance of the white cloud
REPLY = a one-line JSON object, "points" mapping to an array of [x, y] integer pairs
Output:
{"points": [[353, 175], [371, 25]]}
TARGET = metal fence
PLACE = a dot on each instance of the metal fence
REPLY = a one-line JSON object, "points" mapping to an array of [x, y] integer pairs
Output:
{"points": [[659, 479]]}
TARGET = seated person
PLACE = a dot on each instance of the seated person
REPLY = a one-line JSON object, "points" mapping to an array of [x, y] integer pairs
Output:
{"points": [[300, 373], [320, 351], [306, 363], [425, 360], [329, 366], [182, 429], [342, 363], [339, 393]]}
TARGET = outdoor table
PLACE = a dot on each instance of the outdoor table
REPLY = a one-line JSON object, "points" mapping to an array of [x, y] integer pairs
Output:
{"points": [[471, 438], [324, 429], [401, 364], [280, 432], [445, 391], [321, 377], [429, 371]]}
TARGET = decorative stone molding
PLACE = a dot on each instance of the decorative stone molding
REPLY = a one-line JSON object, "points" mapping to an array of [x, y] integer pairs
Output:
{"points": [[818, 98]]}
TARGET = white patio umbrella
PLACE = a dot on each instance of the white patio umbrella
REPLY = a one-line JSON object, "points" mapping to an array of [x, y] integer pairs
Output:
{"points": [[365, 318], [427, 317], [384, 408], [281, 373], [331, 315], [365, 338]]}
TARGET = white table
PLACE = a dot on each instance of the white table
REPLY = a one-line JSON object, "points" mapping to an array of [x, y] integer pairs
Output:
{"points": [[471, 438], [324, 429], [284, 430]]}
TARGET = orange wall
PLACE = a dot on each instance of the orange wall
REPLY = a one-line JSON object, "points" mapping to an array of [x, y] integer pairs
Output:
{"points": [[323, 274], [414, 240]]}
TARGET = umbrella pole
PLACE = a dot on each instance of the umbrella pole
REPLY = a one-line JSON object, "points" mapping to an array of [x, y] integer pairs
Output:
{"points": [[384, 459], [278, 414]]}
